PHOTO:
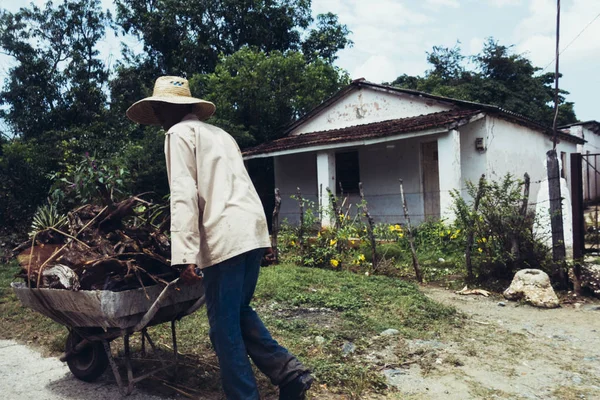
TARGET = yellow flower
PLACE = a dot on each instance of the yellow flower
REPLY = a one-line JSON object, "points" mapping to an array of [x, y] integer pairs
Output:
{"points": [[352, 242], [361, 257], [483, 240], [334, 263], [332, 242], [397, 227], [391, 228], [479, 249], [401, 235], [293, 243], [319, 234], [457, 232], [449, 231]]}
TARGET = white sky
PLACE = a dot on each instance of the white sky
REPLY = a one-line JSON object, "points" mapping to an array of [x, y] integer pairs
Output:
{"points": [[392, 36]]}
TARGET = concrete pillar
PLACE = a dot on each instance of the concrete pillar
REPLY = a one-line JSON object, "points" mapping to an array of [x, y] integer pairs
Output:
{"points": [[450, 171], [326, 179]]}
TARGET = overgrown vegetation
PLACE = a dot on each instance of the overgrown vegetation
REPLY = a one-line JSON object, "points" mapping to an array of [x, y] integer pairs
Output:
{"points": [[501, 228], [298, 305]]}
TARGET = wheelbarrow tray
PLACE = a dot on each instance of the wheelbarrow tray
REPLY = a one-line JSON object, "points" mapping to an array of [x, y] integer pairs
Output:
{"points": [[107, 309]]}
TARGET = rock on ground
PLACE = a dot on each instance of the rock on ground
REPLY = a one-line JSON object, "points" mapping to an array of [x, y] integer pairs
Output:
{"points": [[533, 286]]}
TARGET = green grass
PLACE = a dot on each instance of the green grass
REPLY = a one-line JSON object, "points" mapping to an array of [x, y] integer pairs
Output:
{"points": [[297, 304]]}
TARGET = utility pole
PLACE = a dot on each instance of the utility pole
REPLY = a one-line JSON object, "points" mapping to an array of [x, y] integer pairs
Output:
{"points": [[556, 220]]}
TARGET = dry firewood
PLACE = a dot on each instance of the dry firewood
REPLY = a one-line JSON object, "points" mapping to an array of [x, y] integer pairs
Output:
{"points": [[114, 219]]}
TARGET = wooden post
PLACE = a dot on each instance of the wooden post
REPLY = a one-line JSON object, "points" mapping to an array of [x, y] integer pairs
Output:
{"points": [[301, 228], [556, 220], [320, 205], [471, 229], [515, 250], [578, 222], [275, 225], [371, 225], [333, 208], [410, 236]]}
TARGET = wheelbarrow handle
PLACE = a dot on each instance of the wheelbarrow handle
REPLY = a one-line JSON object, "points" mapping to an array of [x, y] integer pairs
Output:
{"points": [[155, 307]]}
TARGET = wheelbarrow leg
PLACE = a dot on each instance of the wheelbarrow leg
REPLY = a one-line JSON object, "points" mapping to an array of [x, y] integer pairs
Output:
{"points": [[175, 352], [143, 343], [128, 364], [113, 366], [163, 363]]}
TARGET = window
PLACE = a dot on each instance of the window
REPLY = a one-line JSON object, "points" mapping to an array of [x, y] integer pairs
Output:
{"points": [[347, 171]]}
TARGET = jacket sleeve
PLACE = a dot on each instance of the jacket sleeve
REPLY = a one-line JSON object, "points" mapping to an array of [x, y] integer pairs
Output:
{"points": [[182, 171]]}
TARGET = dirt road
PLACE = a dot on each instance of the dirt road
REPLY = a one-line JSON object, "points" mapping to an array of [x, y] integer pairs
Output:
{"points": [[498, 351], [507, 350], [26, 375]]}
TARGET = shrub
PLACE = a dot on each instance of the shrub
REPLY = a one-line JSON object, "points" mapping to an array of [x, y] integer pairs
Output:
{"points": [[502, 228]]}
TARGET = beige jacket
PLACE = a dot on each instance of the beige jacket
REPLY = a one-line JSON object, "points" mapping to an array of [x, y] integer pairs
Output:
{"points": [[216, 213]]}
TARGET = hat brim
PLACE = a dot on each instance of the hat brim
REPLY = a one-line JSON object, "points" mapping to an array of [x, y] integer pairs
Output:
{"points": [[143, 113]]}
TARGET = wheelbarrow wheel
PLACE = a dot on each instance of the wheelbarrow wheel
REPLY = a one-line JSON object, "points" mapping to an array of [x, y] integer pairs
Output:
{"points": [[88, 364]]}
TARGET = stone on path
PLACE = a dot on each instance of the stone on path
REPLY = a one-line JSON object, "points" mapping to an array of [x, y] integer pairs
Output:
{"points": [[533, 286], [390, 332]]}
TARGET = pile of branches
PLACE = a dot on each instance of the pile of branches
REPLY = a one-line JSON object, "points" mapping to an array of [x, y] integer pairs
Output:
{"points": [[115, 247]]}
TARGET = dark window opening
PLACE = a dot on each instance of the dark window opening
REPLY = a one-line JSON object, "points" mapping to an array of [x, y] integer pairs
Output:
{"points": [[347, 172]]}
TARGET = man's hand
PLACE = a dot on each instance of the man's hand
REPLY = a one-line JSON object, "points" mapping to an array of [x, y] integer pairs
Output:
{"points": [[268, 257], [188, 275]]}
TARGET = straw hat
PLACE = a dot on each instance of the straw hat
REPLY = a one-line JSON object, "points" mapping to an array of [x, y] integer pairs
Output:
{"points": [[169, 89]]}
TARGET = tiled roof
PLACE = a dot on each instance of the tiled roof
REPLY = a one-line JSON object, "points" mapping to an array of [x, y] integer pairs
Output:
{"points": [[373, 130]]}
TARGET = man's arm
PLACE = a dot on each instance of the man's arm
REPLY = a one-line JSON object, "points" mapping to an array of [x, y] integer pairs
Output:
{"points": [[182, 168]]}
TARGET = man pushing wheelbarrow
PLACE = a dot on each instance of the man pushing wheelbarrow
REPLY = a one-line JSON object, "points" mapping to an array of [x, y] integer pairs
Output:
{"points": [[219, 227]]}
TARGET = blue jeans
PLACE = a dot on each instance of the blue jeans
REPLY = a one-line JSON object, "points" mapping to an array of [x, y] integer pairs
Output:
{"points": [[237, 332]]}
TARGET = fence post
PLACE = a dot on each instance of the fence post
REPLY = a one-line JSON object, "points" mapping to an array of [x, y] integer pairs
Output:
{"points": [[275, 224], [556, 220], [301, 228], [471, 229], [411, 240], [578, 220], [371, 232], [577, 204]]}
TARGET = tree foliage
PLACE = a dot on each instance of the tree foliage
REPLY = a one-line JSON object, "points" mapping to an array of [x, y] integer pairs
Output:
{"points": [[58, 79], [495, 76], [259, 94], [61, 101]]}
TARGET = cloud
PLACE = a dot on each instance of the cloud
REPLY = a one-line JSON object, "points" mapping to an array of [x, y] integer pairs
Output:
{"points": [[504, 3], [437, 5], [536, 33], [388, 35]]}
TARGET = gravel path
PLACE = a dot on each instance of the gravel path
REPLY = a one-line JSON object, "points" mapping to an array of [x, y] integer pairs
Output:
{"points": [[25, 374]]}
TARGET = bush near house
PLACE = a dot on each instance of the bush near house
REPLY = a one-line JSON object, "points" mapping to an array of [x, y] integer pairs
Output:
{"points": [[503, 239]]}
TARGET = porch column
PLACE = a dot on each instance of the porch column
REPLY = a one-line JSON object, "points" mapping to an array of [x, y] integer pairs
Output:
{"points": [[450, 171], [326, 179]]}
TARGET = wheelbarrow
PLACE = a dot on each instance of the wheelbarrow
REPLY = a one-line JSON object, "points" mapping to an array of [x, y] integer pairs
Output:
{"points": [[96, 317]]}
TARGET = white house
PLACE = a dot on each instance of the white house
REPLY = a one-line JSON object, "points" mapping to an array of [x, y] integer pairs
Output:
{"points": [[590, 132], [378, 134]]}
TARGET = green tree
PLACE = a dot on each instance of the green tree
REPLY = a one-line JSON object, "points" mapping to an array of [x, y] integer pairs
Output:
{"points": [[498, 77], [326, 39], [258, 94], [184, 38], [58, 79]]}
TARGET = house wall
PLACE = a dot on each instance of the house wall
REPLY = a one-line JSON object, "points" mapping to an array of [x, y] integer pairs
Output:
{"points": [[293, 171], [515, 149], [381, 166], [473, 162], [364, 106]]}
